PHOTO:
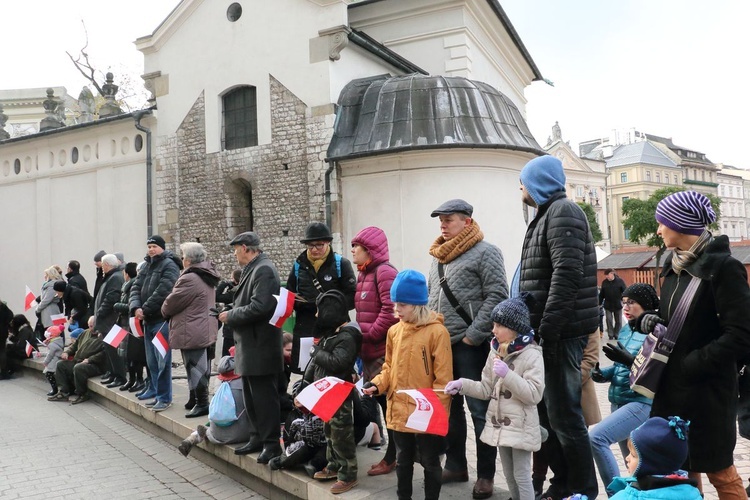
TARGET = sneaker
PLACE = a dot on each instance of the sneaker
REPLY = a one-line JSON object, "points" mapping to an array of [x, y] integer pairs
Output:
{"points": [[146, 395], [325, 474], [81, 399], [151, 404], [60, 396], [342, 486], [161, 406]]}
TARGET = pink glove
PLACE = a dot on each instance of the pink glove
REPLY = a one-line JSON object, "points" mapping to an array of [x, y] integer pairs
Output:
{"points": [[453, 387], [500, 368]]}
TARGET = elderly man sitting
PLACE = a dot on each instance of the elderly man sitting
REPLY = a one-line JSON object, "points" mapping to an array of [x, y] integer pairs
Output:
{"points": [[82, 360]]}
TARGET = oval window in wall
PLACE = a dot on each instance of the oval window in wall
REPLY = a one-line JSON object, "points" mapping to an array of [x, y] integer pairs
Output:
{"points": [[234, 12], [74, 155]]}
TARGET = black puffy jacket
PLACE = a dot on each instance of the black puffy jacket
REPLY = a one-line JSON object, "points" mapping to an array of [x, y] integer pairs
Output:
{"points": [[335, 355], [153, 284], [558, 267]]}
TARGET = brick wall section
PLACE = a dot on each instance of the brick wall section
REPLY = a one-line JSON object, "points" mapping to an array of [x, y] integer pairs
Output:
{"points": [[204, 196]]}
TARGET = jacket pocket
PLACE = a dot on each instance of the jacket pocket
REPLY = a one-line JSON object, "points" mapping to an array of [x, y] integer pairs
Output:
{"points": [[424, 360]]}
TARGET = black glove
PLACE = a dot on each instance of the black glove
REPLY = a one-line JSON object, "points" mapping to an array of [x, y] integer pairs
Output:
{"points": [[618, 354], [647, 321], [597, 375]]}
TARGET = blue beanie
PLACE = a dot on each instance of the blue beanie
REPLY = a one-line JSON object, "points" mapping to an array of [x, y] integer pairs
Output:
{"points": [[661, 445], [409, 287], [542, 177]]}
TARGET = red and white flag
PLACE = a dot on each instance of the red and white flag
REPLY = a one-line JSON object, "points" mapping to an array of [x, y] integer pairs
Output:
{"points": [[30, 298], [161, 344], [284, 308], [29, 349], [58, 319], [136, 330], [325, 396], [429, 416], [115, 336]]}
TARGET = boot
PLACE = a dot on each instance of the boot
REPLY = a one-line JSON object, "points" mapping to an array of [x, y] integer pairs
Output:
{"points": [[131, 381], [52, 382], [187, 444], [191, 401], [201, 403]]}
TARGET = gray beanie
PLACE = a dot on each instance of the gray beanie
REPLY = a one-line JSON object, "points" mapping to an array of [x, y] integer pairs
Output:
{"points": [[514, 314]]}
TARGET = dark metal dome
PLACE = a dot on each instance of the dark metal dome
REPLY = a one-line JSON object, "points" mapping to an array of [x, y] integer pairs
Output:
{"points": [[384, 114]]}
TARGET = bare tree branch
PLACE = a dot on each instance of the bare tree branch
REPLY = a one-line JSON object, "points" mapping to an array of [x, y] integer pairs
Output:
{"points": [[84, 66]]}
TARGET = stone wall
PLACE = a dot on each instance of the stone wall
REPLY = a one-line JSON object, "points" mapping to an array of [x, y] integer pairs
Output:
{"points": [[207, 197]]}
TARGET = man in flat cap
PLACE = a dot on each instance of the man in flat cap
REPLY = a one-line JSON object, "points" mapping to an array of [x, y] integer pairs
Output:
{"points": [[258, 345], [467, 280], [152, 285]]}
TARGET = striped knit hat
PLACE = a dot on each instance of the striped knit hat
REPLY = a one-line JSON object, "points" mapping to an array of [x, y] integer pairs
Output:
{"points": [[686, 212]]}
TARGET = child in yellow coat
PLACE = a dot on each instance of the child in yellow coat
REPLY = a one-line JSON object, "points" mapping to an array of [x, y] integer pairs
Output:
{"points": [[417, 356]]}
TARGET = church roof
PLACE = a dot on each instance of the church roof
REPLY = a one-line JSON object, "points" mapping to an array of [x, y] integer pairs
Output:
{"points": [[384, 114], [639, 152]]}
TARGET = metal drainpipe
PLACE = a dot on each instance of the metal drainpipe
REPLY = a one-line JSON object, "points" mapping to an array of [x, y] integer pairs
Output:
{"points": [[327, 193], [138, 115]]}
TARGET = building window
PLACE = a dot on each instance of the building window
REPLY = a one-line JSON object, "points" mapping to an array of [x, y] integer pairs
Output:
{"points": [[658, 177], [240, 119], [623, 177], [676, 179], [721, 190], [579, 192], [666, 178], [627, 233], [703, 175], [648, 175]]}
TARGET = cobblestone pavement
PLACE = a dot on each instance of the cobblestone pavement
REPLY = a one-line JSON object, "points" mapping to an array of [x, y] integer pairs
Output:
{"points": [[59, 451]]}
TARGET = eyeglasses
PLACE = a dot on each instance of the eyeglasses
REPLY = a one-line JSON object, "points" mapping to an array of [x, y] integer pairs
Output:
{"points": [[628, 303], [316, 246]]}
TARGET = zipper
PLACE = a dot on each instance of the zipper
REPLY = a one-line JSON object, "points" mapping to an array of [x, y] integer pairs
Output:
{"points": [[424, 359], [671, 298]]}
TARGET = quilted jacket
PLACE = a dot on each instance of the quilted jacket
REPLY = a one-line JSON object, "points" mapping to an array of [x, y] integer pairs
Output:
{"points": [[416, 357], [477, 279], [512, 417], [372, 299], [558, 266], [620, 392]]}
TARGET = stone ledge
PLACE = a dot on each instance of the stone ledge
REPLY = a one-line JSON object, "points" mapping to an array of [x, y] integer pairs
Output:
{"points": [[171, 426]]}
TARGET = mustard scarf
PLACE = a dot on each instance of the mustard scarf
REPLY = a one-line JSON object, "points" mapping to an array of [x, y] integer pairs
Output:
{"points": [[446, 251]]}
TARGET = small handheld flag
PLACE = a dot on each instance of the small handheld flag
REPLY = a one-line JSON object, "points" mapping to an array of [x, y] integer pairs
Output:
{"points": [[29, 299], [29, 349], [284, 308], [58, 319], [161, 344], [429, 416], [325, 396], [115, 336], [136, 330]]}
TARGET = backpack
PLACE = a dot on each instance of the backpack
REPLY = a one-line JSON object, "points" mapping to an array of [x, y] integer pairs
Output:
{"points": [[336, 257], [222, 411]]}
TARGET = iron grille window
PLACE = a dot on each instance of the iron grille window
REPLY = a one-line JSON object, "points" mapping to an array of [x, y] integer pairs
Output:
{"points": [[240, 118]]}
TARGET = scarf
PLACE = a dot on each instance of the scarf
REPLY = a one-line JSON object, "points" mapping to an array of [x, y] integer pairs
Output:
{"points": [[446, 251], [363, 267], [515, 345], [683, 258], [318, 263]]}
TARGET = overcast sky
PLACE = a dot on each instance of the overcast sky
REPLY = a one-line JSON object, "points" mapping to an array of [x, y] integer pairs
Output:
{"points": [[666, 67]]}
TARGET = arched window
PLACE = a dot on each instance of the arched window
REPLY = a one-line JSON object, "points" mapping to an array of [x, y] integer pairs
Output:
{"points": [[240, 114]]}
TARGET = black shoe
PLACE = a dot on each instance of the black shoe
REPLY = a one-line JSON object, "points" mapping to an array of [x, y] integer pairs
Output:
{"points": [[125, 387], [197, 411], [52, 392], [251, 447], [138, 386], [269, 452], [108, 380], [116, 382], [275, 463], [106, 376]]}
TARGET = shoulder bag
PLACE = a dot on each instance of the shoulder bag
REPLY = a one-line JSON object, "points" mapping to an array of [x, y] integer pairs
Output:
{"points": [[649, 364], [452, 298]]}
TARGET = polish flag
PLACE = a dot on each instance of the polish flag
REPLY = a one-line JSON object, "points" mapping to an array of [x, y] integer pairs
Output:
{"points": [[325, 396], [58, 319], [115, 336], [284, 308], [29, 349], [30, 298], [136, 330], [161, 344], [429, 416]]}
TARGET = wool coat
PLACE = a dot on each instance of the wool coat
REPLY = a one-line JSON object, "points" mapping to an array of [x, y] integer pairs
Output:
{"points": [[187, 308], [258, 344], [104, 306], [416, 357], [512, 417], [700, 380], [558, 267], [373, 297], [48, 304]]}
